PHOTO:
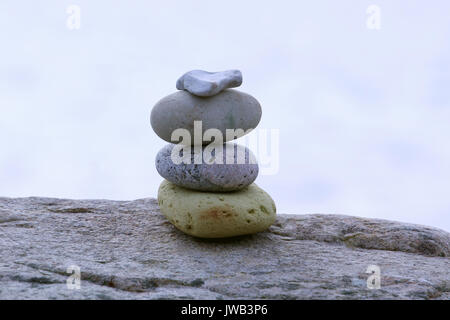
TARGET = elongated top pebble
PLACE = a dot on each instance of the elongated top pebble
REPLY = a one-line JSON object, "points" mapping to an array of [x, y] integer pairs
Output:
{"points": [[206, 84]]}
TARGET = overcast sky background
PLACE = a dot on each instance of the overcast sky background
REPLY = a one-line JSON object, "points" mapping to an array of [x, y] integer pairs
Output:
{"points": [[364, 115]]}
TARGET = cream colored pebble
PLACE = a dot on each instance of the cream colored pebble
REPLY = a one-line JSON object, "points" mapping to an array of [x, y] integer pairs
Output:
{"points": [[217, 215]]}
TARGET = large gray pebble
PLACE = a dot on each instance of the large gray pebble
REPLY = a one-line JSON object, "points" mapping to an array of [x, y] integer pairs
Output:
{"points": [[207, 84], [216, 177], [230, 109]]}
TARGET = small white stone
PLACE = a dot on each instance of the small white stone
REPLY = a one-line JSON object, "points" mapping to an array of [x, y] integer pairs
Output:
{"points": [[206, 84]]}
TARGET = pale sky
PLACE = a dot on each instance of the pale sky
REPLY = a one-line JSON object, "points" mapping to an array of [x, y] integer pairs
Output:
{"points": [[363, 114]]}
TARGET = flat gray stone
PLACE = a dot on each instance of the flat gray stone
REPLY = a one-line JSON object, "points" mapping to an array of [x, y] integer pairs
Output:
{"points": [[230, 109], [128, 250], [228, 176], [206, 84]]}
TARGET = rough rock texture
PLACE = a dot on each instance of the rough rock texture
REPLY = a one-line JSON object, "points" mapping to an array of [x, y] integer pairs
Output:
{"points": [[207, 84], [217, 214], [237, 168], [129, 250]]}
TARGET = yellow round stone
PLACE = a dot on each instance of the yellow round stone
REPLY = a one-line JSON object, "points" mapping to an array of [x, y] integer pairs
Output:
{"points": [[217, 215]]}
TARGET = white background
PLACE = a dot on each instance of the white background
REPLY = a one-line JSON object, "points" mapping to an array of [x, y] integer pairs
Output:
{"points": [[363, 114]]}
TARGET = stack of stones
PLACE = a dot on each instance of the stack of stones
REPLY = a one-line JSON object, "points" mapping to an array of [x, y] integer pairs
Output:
{"points": [[201, 195]]}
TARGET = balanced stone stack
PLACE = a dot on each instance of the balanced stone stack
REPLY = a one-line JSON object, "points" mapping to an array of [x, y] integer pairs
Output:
{"points": [[208, 189]]}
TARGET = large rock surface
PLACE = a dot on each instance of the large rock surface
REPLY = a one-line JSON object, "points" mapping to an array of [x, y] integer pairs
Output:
{"points": [[128, 250]]}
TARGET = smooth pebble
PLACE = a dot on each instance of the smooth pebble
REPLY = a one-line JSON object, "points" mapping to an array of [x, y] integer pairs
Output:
{"points": [[230, 109], [207, 84]]}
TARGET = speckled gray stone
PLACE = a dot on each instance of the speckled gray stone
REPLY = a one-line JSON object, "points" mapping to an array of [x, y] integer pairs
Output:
{"points": [[229, 176], [207, 84], [230, 109]]}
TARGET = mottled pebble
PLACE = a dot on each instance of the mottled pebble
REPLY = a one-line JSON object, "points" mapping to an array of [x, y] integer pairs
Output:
{"points": [[217, 215], [235, 172]]}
